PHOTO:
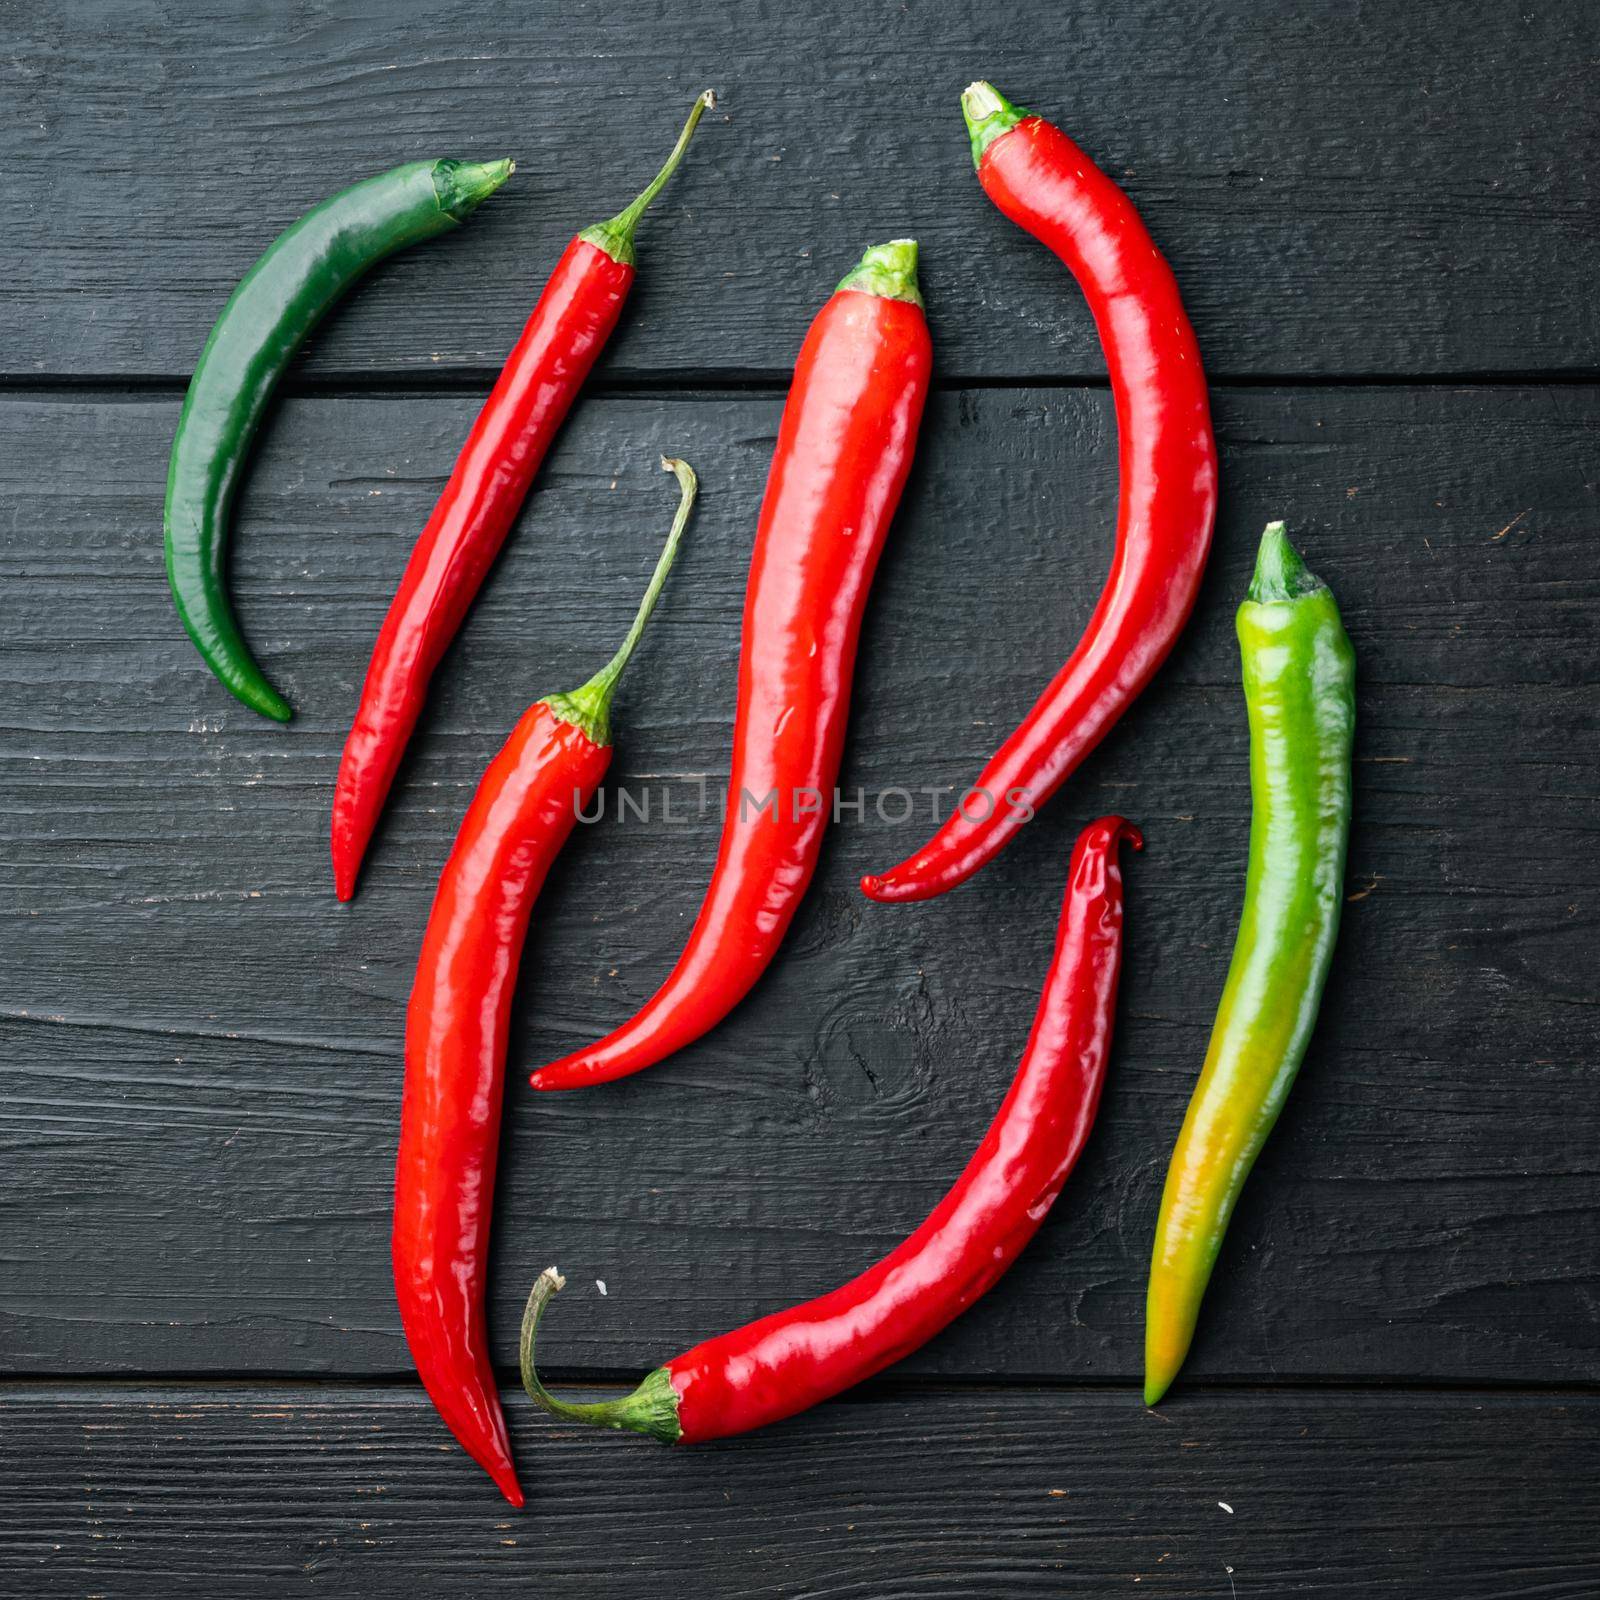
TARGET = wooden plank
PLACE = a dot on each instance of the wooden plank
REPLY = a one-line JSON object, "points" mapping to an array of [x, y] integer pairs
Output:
{"points": [[358, 1492], [202, 1049], [1342, 189]]}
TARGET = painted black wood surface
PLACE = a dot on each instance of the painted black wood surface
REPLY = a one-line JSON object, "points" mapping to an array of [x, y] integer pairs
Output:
{"points": [[1053, 1492], [1394, 1386], [1397, 187], [174, 948]]}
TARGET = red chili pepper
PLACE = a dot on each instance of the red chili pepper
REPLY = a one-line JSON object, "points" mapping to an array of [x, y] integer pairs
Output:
{"points": [[456, 1031], [542, 376], [1168, 501], [844, 448], [793, 1359]]}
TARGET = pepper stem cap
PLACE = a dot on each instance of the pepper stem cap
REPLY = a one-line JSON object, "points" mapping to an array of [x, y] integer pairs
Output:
{"points": [[588, 707], [615, 236], [988, 114], [652, 1408], [888, 270], [463, 186], [1280, 572]]}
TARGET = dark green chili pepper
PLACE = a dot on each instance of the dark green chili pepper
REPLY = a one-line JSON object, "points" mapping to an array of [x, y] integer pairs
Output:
{"points": [[278, 302], [1299, 688]]}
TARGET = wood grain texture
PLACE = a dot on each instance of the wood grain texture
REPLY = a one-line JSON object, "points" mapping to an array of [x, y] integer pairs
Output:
{"points": [[246, 1492], [202, 1049], [1343, 188]]}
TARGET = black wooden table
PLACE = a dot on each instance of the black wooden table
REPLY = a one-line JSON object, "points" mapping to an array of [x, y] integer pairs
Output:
{"points": [[1382, 218]]}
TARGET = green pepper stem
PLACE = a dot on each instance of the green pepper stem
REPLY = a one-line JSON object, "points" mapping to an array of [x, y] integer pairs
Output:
{"points": [[652, 1408], [988, 114], [888, 270], [615, 236], [463, 186], [589, 706], [1280, 573]]}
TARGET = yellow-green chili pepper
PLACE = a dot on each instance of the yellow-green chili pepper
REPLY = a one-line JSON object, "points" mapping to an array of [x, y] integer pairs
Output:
{"points": [[1299, 689]]}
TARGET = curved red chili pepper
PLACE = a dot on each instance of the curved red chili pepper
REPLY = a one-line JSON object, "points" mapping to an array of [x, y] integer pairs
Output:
{"points": [[456, 1031], [793, 1359], [844, 448], [563, 338], [1168, 461]]}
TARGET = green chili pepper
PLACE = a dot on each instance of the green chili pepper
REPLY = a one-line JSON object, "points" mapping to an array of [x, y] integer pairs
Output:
{"points": [[278, 302], [1299, 675]]}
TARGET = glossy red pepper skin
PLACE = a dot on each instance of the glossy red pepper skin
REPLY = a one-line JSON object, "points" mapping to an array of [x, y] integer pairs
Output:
{"points": [[457, 1026], [1167, 504], [575, 316], [456, 1032], [844, 449], [563, 338], [791, 1360]]}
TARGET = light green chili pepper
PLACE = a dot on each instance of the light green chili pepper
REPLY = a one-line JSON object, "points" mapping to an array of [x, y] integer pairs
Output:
{"points": [[1299, 689]]}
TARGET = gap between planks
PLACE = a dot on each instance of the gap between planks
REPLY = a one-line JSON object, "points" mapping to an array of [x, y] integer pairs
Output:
{"points": [[872, 1392], [716, 385]]}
